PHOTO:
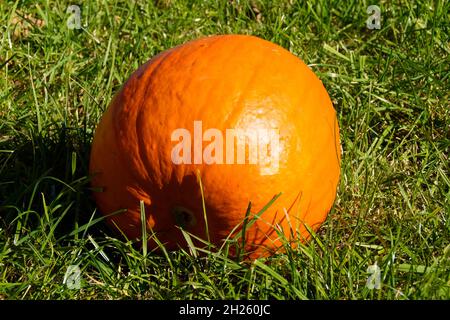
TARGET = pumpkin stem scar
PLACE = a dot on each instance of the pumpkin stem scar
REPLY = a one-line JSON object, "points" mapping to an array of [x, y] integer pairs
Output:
{"points": [[184, 218]]}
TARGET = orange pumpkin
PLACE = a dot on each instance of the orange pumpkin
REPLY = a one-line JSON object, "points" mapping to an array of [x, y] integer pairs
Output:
{"points": [[141, 149]]}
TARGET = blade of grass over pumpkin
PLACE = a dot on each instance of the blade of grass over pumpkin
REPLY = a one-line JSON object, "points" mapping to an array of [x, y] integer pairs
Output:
{"points": [[241, 249], [209, 245], [191, 246], [143, 228], [205, 217], [288, 219], [233, 238], [256, 216]]}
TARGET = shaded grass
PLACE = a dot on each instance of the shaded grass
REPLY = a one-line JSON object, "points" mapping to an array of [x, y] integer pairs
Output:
{"points": [[391, 91]]}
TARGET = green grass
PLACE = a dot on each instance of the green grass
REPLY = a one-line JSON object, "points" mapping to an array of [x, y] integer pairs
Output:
{"points": [[390, 88]]}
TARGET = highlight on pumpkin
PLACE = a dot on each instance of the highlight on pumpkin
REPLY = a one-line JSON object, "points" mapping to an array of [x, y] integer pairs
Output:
{"points": [[258, 146]]}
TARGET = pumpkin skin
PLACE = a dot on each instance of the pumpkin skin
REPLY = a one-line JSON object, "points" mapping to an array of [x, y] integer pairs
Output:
{"points": [[227, 81]]}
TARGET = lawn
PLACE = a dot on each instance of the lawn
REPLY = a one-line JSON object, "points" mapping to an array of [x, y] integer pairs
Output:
{"points": [[390, 87]]}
